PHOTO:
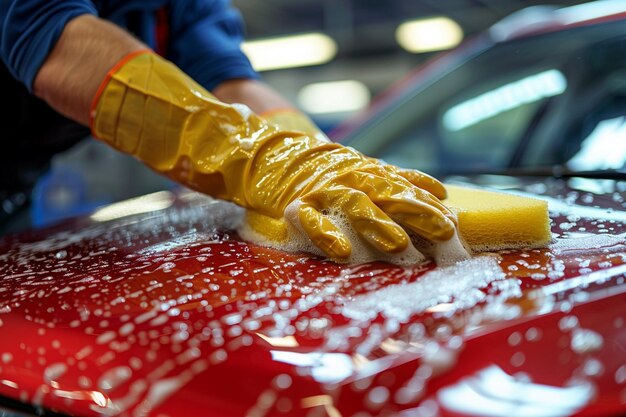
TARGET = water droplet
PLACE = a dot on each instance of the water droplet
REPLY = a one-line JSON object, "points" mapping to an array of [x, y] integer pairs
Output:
{"points": [[127, 329], [620, 375], [113, 378], [105, 337], [567, 323], [409, 393], [533, 334], [518, 359], [84, 382], [232, 319], [593, 367], [218, 356], [585, 341], [515, 339], [284, 405], [282, 381], [378, 396], [428, 408], [455, 342], [54, 371]]}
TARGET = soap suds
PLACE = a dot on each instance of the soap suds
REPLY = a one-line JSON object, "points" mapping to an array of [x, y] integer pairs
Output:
{"points": [[460, 284], [243, 110], [586, 242], [444, 253]]}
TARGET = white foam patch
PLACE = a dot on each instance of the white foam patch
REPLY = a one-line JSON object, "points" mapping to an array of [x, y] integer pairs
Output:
{"points": [[585, 243], [459, 284], [243, 110], [444, 253]]}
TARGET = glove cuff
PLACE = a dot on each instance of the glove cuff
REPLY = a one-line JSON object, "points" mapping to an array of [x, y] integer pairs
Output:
{"points": [[105, 82]]}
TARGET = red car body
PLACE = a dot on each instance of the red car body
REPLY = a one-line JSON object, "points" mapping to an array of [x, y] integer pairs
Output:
{"points": [[155, 307], [169, 313]]}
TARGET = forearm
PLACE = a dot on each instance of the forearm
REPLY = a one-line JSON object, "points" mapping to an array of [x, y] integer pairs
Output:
{"points": [[87, 49]]}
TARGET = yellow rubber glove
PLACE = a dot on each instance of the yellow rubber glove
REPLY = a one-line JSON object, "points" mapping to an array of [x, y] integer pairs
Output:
{"points": [[294, 120], [147, 107]]}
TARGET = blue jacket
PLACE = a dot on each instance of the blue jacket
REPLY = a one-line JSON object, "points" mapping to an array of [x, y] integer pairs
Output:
{"points": [[201, 36]]}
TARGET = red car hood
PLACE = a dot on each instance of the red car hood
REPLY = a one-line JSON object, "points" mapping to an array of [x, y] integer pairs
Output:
{"points": [[169, 313]]}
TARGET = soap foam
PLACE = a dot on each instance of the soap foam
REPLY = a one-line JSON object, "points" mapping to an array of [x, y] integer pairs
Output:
{"points": [[595, 242], [462, 285], [444, 253]]}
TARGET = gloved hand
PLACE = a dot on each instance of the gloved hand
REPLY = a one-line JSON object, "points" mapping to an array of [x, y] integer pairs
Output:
{"points": [[148, 108], [294, 120]]}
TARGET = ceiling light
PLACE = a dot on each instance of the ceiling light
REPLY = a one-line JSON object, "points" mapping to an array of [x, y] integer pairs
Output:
{"points": [[426, 35], [290, 51], [334, 97]]}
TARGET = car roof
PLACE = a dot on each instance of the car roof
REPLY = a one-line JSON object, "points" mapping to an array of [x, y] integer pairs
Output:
{"points": [[536, 20]]}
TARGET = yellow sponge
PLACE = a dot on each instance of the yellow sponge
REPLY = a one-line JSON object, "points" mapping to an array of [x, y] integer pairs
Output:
{"points": [[493, 220]]}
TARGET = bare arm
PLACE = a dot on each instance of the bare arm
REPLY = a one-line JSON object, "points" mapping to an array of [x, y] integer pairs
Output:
{"points": [[88, 48]]}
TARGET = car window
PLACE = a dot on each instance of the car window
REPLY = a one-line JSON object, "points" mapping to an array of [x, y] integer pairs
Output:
{"points": [[481, 128], [517, 104], [601, 138], [588, 131]]}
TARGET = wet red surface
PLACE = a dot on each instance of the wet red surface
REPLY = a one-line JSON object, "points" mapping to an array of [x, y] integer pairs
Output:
{"points": [[169, 313]]}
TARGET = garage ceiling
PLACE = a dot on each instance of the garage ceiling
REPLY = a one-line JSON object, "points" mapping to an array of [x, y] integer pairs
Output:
{"points": [[367, 26], [365, 33]]}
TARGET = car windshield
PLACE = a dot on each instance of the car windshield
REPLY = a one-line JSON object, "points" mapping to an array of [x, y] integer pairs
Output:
{"points": [[552, 99]]}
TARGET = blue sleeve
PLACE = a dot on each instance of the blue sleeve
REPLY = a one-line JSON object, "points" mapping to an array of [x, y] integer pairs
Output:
{"points": [[30, 29], [205, 41]]}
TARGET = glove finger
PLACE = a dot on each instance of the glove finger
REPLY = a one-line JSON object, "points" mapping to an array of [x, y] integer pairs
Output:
{"points": [[436, 228], [418, 178], [423, 181], [418, 211], [373, 224], [323, 233], [366, 218], [383, 185]]}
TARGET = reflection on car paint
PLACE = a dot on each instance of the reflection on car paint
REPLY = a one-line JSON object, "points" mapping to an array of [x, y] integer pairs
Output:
{"points": [[169, 313]]}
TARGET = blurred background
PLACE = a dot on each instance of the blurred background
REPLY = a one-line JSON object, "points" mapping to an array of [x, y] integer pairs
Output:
{"points": [[371, 44], [446, 86]]}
